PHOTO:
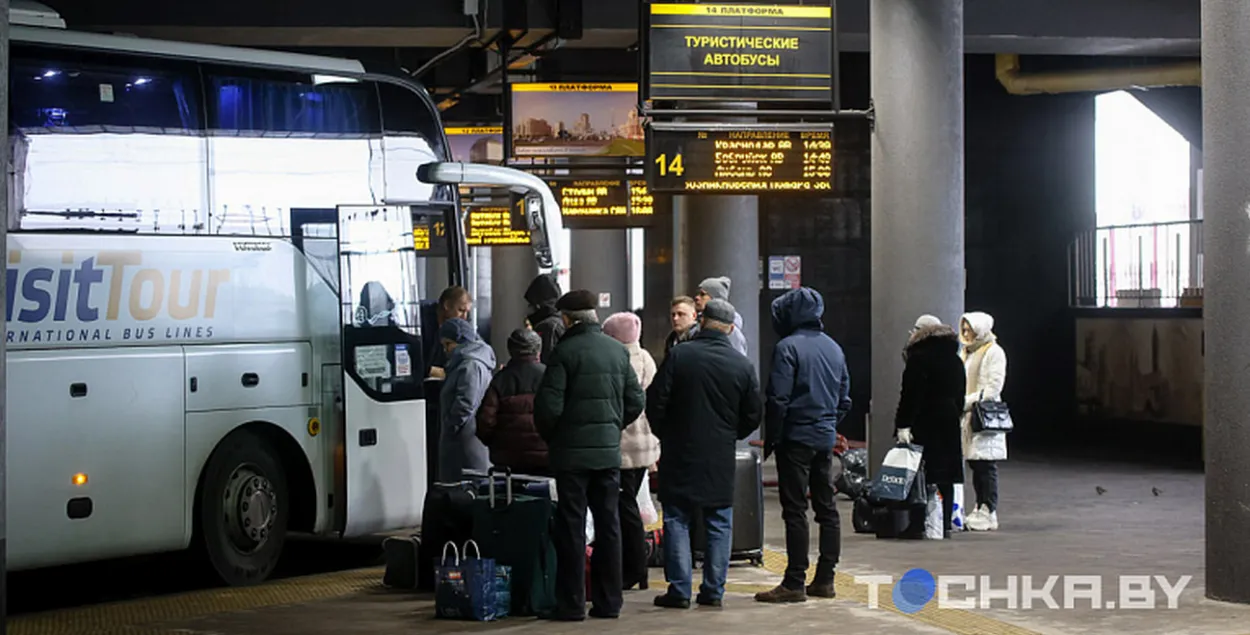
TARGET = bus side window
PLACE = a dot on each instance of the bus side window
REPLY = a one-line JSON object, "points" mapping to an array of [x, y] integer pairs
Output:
{"points": [[106, 133], [283, 140]]}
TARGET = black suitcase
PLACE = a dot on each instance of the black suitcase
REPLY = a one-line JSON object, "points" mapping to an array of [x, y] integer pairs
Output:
{"points": [[748, 538], [447, 516], [402, 555]]}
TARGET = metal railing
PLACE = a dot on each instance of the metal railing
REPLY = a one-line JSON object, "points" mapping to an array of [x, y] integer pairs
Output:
{"points": [[1137, 266]]}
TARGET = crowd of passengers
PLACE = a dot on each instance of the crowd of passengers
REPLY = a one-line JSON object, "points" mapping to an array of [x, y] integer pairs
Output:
{"points": [[581, 401]]}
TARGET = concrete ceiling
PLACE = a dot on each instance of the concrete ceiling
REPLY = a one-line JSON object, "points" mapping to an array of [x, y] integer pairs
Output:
{"points": [[1027, 27]]}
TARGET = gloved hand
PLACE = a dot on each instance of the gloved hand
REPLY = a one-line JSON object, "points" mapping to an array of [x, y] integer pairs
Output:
{"points": [[904, 435]]}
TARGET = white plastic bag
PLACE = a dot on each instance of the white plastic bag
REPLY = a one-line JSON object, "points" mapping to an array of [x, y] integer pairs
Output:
{"points": [[933, 524], [590, 528], [957, 510], [646, 506]]}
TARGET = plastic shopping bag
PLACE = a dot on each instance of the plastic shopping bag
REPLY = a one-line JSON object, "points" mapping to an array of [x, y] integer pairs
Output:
{"points": [[590, 528], [957, 511], [898, 472], [451, 595], [480, 584], [646, 505], [933, 520]]}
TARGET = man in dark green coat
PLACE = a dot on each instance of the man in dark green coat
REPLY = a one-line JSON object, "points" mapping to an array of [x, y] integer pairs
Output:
{"points": [[589, 393]]}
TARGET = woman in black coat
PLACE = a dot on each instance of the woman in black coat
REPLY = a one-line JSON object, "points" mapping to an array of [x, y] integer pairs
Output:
{"points": [[931, 405]]}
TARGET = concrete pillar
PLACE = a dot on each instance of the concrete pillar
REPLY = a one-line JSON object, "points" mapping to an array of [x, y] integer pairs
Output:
{"points": [[719, 236], [917, 186], [1226, 197], [480, 276], [600, 264], [511, 270], [658, 289]]}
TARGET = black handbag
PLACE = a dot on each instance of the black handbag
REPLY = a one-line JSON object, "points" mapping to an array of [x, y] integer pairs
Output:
{"points": [[991, 416]]}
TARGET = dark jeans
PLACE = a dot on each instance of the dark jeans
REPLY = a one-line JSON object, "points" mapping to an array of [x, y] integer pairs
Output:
{"points": [[633, 532], [800, 470], [985, 482], [597, 490]]}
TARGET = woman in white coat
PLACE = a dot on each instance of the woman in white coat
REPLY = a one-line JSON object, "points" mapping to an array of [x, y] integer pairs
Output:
{"points": [[986, 365], [640, 451]]}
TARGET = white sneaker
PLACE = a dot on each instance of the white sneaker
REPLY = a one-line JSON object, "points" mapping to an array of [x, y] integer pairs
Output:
{"points": [[979, 519], [991, 521]]}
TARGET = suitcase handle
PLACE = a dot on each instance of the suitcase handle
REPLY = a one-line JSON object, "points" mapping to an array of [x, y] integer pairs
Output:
{"points": [[454, 550], [507, 476]]}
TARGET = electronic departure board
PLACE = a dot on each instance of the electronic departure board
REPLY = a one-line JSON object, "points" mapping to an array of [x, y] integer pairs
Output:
{"points": [[493, 227], [778, 160], [603, 203], [728, 51], [429, 236]]}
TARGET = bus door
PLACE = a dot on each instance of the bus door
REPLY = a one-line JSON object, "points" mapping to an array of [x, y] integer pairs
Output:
{"points": [[385, 419]]}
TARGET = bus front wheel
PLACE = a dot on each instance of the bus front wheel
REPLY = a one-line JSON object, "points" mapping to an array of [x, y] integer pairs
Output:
{"points": [[243, 509]]}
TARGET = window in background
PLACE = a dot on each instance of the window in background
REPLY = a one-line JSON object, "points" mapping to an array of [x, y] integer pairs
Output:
{"points": [[1142, 176]]}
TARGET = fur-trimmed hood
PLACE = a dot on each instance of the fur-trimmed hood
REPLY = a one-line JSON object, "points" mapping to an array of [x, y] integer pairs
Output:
{"points": [[937, 335]]}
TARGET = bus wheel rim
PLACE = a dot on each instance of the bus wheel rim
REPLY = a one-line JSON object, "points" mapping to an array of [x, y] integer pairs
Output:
{"points": [[250, 506]]}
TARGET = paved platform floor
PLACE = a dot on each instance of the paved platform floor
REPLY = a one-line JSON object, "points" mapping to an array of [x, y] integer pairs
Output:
{"points": [[1054, 522]]}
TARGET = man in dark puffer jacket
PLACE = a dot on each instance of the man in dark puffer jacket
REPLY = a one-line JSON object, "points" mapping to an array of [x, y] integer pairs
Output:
{"points": [[505, 421], [588, 395]]}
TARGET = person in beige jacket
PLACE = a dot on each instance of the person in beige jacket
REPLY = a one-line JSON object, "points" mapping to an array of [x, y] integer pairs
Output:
{"points": [[640, 450], [986, 366]]}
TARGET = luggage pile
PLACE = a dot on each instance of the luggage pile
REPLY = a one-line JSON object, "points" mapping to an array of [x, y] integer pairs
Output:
{"points": [[897, 502], [514, 570]]}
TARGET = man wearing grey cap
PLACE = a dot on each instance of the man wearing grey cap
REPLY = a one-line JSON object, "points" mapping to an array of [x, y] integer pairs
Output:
{"points": [[704, 399], [718, 289]]}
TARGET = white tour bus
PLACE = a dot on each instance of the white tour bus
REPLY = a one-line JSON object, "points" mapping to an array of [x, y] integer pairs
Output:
{"points": [[221, 271]]}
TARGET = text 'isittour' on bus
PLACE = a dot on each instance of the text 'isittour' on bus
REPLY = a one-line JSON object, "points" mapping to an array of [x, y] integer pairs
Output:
{"points": [[220, 272]]}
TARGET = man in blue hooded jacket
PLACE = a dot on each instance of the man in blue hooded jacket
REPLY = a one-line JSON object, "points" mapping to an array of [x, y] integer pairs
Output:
{"points": [[808, 394]]}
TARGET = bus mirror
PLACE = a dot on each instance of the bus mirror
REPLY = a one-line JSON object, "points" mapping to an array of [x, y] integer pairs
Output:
{"points": [[542, 210], [540, 239]]}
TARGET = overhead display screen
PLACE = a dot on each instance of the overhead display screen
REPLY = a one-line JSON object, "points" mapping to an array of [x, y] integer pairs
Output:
{"points": [[575, 120], [481, 144], [773, 161], [603, 203], [728, 52], [494, 227], [429, 236]]}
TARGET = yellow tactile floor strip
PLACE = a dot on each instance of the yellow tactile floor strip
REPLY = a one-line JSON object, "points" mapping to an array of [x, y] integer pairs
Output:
{"points": [[956, 621], [131, 616]]}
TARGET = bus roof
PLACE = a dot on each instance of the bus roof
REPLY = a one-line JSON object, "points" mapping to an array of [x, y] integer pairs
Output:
{"points": [[35, 23]]}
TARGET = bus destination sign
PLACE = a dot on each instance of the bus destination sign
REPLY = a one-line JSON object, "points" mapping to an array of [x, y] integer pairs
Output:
{"points": [[746, 161], [493, 227], [728, 52], [603, 203]]}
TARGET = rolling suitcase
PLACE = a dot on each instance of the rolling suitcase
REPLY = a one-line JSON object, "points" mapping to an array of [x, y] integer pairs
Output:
{"points": [[515, 530], [748, 537]]}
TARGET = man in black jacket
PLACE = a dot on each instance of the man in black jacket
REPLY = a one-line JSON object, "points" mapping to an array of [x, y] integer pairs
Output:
{"points": [[703, 400], [541, 295]]}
